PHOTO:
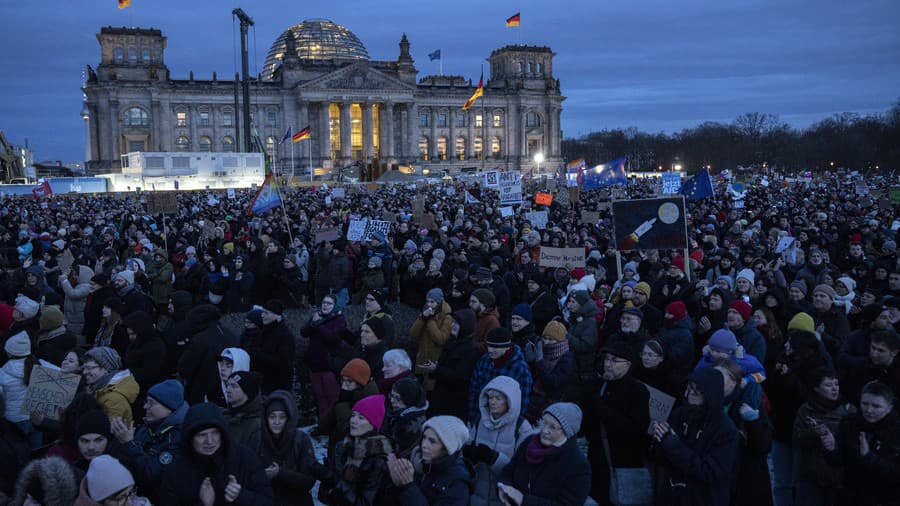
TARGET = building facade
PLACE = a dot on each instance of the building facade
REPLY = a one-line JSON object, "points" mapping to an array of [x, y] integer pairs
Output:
{"points": [[360, 111]]}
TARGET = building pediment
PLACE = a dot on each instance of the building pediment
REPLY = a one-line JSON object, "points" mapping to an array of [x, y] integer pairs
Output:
{"points": [[358, 77]]}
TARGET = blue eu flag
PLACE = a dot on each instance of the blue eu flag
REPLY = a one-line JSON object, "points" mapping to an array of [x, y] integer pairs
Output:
{"points": [[435, 55], [698, 187], [608, 174]]}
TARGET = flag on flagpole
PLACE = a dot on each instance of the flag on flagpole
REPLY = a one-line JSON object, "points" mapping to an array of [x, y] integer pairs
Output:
{"points": [[267, 196], [124, 3], [698, 187], [514, 20], [42, 190], [287, 135], [479, 92], [607, 174], [575, 164], [435, 55], [301, 134], [470, 199]]}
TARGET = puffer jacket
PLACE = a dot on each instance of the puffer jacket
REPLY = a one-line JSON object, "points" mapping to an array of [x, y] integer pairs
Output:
{"points": [[117, 396], [506, 433], [76, 298], [431, 334], [12, 385], [582, 337]]}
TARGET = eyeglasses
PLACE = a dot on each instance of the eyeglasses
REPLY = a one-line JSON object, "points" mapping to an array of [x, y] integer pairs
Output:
{"points": [[124, 497], [613, 360]]}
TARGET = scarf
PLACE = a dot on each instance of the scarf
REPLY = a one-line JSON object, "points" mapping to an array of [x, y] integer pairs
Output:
{"points": [[536, 452], [107, 329], [845, 301], [370, 446], [554, 351], [503, 359]]}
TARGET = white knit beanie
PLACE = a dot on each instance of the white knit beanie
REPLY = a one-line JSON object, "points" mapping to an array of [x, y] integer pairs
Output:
{"points": [[105, 477], [452, 432], [27, 307]]}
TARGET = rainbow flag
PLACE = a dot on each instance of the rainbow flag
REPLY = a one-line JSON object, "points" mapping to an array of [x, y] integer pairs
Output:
{"points": [[479, 92], [514, 20], [267, 197], [303, 133], [575, 164]]}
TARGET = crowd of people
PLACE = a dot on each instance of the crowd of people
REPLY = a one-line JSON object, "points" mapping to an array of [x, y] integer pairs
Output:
{"points": [[771, 342]]}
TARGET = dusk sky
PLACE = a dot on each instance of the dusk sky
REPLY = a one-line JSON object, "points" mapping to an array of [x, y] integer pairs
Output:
{"points": [[658, 65]]}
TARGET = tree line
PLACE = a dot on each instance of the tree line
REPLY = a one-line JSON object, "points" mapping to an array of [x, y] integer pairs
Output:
{"points": [[868, 143]]}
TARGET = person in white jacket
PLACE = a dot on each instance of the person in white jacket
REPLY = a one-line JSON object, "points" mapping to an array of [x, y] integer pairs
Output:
{"points": [[14, 376], [76, 285]]}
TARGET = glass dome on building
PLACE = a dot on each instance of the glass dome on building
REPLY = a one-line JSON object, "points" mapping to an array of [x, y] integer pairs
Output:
{"points": [[317, 39]]}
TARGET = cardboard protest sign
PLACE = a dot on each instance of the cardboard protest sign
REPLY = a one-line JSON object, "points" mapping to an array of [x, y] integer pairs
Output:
{"points": [[162, 202], [356, 230], [506, 211], [328, 234], [49, 390], [661, 404], [589, 217], [538, 219], [544, 199], [649, 224], [569, 258], [510, 187]]}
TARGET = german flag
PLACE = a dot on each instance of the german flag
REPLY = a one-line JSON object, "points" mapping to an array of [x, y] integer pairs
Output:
{"points": [[303, 133], [124, 3], [514, 20], [479, 92]]}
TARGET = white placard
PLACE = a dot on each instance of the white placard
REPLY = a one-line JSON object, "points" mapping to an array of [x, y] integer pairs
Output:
{"points": [[538, 219], [492, 178], [784, 243], [338, 193], [356, 230], [506, 211], [373, 225], [671, 183], [230, 193], [510, 186]]}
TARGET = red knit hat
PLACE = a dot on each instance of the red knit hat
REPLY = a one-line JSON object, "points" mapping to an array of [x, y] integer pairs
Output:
{"points": [[677, 310], [372, 409], [697, 255], [742, 308], [678, 261]]}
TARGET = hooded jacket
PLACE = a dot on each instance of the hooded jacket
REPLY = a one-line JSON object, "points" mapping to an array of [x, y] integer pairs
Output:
{"points": [[182, 479], [76, 297], [292, 450], [272, 355], [53, 476], [176, 333], [873, 479], [582, 337], [145, 356], [506, 433], [701, 449], [514, 367], [455, 366], [197, 366], [245, 421], [678, 341], [160, 273], [240, 362]]}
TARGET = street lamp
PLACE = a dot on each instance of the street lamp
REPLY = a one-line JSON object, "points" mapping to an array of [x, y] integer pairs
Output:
{"points": [[538, 158], [677, 167]]}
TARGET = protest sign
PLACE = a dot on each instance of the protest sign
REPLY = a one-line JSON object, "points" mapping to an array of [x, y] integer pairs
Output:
{"points": [[561, 257], [49, 390], [328, 234], [389, 216], [649, 224], [783, 243], [492, 178], [230, 193], [544, 199], [862, 189], [162, 202], [356, 230], [671, 183], [661, 404], [510, 187], [895, 195], [338, 193], [373, 225], [328, 200], [538, 219], [589, 217], [506, 211]]}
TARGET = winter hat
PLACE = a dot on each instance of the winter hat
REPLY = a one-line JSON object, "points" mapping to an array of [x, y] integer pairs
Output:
{"points": [[116, 305], [376, 324], [483, 274], [126, 276], [802, 321], [485, 296], [678, 261], [452, 431], [106, 357], [742, 308], [499, 337], [375, 262], [379, 297], [358, 370], [275, 404], [890, 245], [372, 409], [727, 280], [274, 306], [555, 330], [248, 381], [410, 391], [723, 340], [621, 349], [94, 421], [169, 393], [848, 282], [636, 311], [799, 284], [643, 287], [677, 310], [581, 297], [27, 307], [18, 345], [105, 477], [51, 318], [254, 317], [748, 275], [435, 294], [630, 266], [568, 415], [59, 244], [523, 311], [410, 245], [827, 290]]}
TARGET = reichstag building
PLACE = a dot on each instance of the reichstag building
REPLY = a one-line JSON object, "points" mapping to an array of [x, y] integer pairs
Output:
{"points": [[319, 74]]}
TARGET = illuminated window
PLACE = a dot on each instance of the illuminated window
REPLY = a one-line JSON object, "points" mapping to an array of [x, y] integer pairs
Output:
{"points": [[334, 132], [460, 118], [423, 148], [182, 143], [356, 137], [498, 120], [227, 118], [442, 147], [478, 145], [228, 143], [442, 119], [204, 118], [532, 119], [119, 55], [376, 130], [136, 116], [461, 148], [479, 122], [181, 118], [145, 55], [424, 119], [495, 147], [205, 143]]}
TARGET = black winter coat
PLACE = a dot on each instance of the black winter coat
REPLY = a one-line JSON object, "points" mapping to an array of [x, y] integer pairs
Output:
{"points": [[446, 482], [293, 452], [563, 478], [198, 365], [454, 372], [752, 484], [272, 355], [873, 479]]}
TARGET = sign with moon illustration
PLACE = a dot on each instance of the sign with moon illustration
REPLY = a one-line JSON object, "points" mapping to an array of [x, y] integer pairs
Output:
{"points": [[649, 224]]}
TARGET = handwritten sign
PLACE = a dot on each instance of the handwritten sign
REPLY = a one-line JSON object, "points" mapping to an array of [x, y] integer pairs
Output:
{"points": [[660, 404], [49, 390], [590, 217], [569, 258], [510, 187], [230, 193], [506, 211], [356, 230], [544, 199], [328, 234], [380, 225], [162, 202], [538, 219]]}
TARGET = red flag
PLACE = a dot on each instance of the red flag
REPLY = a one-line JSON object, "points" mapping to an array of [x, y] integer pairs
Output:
{"points": [[42, 190]]}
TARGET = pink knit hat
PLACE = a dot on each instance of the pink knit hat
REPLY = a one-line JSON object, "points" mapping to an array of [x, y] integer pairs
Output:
{"points": [[372, 409]]}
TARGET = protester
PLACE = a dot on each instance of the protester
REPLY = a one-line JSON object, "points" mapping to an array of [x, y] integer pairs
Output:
{"points": [[454, 367], [115, 389], [286, 451]]}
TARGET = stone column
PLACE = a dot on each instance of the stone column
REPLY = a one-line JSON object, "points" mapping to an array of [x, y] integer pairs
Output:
{"points": [[193, 117], [368, 146], [114, 133], [412, 133], [303, 154], [513, 120], [346, 125], [154, 143], [325, 135], [387, 131], [470, 131], [433, 146]]}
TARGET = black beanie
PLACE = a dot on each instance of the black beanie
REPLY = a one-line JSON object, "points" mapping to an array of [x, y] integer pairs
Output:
{"points": [[274, 306], [499, 338], [249, 383], [94, 421]]}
